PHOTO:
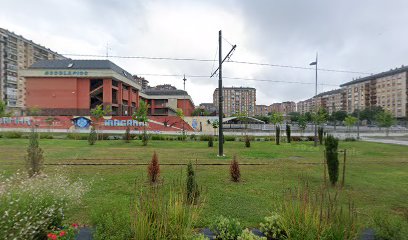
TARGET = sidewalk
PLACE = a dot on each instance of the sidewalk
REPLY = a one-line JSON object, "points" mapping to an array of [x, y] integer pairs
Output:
{"points": [[388, 141]]}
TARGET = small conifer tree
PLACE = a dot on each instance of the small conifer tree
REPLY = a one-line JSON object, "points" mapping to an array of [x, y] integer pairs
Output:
{"points": [[92, 136], [154, 169], [211, 141], [192, 187], [247, 141], [34, 158], [234, 170], [288, 131], [331, 145]]}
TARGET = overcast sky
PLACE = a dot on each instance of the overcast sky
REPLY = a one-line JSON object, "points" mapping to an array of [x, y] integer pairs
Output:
{"points": [[364, 36]]}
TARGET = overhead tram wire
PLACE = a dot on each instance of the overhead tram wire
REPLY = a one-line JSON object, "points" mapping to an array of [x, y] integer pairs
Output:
{"points": [[212, 60], [233, 78]]}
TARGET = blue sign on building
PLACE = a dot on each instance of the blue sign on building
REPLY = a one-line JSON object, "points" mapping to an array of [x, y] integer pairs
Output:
{"points": [[82, 122]]}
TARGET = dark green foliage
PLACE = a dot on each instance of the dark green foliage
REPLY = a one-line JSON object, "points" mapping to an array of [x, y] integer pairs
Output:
{"points": [[34, 158], [211, 141], [320, 131], [247, 141], [234, 170], [229, 138], [331, 144], [126, 136], [92, 136], [288, 132], [277, 134], [193, 192]]}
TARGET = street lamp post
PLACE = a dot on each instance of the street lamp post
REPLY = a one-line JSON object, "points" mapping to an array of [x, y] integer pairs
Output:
{"points": [[315, 124]]}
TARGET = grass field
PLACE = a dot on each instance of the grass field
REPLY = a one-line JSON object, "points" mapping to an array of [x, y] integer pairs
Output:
{"points": [[376, 180]]}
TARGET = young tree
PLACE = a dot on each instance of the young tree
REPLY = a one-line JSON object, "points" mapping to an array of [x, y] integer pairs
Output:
{"points": [[3, 110], [193, 192], [350, 121], [277, 119], [288, 132], [141, 116], [126, 136], [234, 170], [338, 116], [302, 124], [97, 114], [33, 111], [34, 158], [153, 169], [331, 145], [247, 141], [92, 137], [50, 120], [211, 141], [319, 118], [385, 119], [180, 114], [215, 125]]}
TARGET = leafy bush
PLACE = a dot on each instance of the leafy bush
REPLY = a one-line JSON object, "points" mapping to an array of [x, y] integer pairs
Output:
{"points": [[226, 229], [193, 137], [210, 141], [205, 137], [350, 139], [162, 213], [229, 138], [64, 232], [12, 134], [92, 136], [46, 136], [192, 190], [390, 227], [153, 169], [247, 141], [272, 227], [31, 207], [332, 160], [248, 235], [234, 170], [34, 159]]}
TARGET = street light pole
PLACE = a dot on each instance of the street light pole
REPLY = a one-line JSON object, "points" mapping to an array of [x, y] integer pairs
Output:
{"points": [[315, 124]]}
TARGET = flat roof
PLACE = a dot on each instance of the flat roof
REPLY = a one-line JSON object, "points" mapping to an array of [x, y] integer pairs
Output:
{"points": [[378, 75]]}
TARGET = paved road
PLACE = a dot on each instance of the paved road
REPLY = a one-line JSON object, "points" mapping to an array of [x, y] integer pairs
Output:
{"points": [[389, 141]]}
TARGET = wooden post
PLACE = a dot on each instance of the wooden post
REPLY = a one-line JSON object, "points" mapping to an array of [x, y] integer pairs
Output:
{"points": [[344, 166]]}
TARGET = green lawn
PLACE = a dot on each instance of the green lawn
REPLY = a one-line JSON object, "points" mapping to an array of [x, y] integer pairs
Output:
{"points": [[377, 174]]}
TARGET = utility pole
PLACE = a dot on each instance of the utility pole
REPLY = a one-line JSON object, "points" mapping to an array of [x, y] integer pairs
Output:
{"points": [[184, 101], [358, 113], [315, 125], [220, 98], [220, 92]]}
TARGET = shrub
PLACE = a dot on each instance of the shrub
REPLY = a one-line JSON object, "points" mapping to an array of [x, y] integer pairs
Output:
{"points": [[192, 190], [350, 139], [248, 235], [247, 141], [126, 136], [229, 138], [205, 137], [193, 137], [272, 227], [46, 136], [226, 229], [320, 132], [154, 169], [288, 131], [277, 135], [296, 138], [332, 160], [13, 134], [31, 207], [390, 227], [92, 136], [234, 170], [211, 141], [162, 213], [34, 158]]}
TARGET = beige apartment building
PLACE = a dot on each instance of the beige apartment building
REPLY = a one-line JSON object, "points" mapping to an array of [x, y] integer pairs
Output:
{"points": [[237, 100], [284, 107], [332, 101], [262, 110], [17, 53], [388, 90]]}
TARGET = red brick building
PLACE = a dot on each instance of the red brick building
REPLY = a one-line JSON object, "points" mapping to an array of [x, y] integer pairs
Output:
{"points": [[74, 87]]}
